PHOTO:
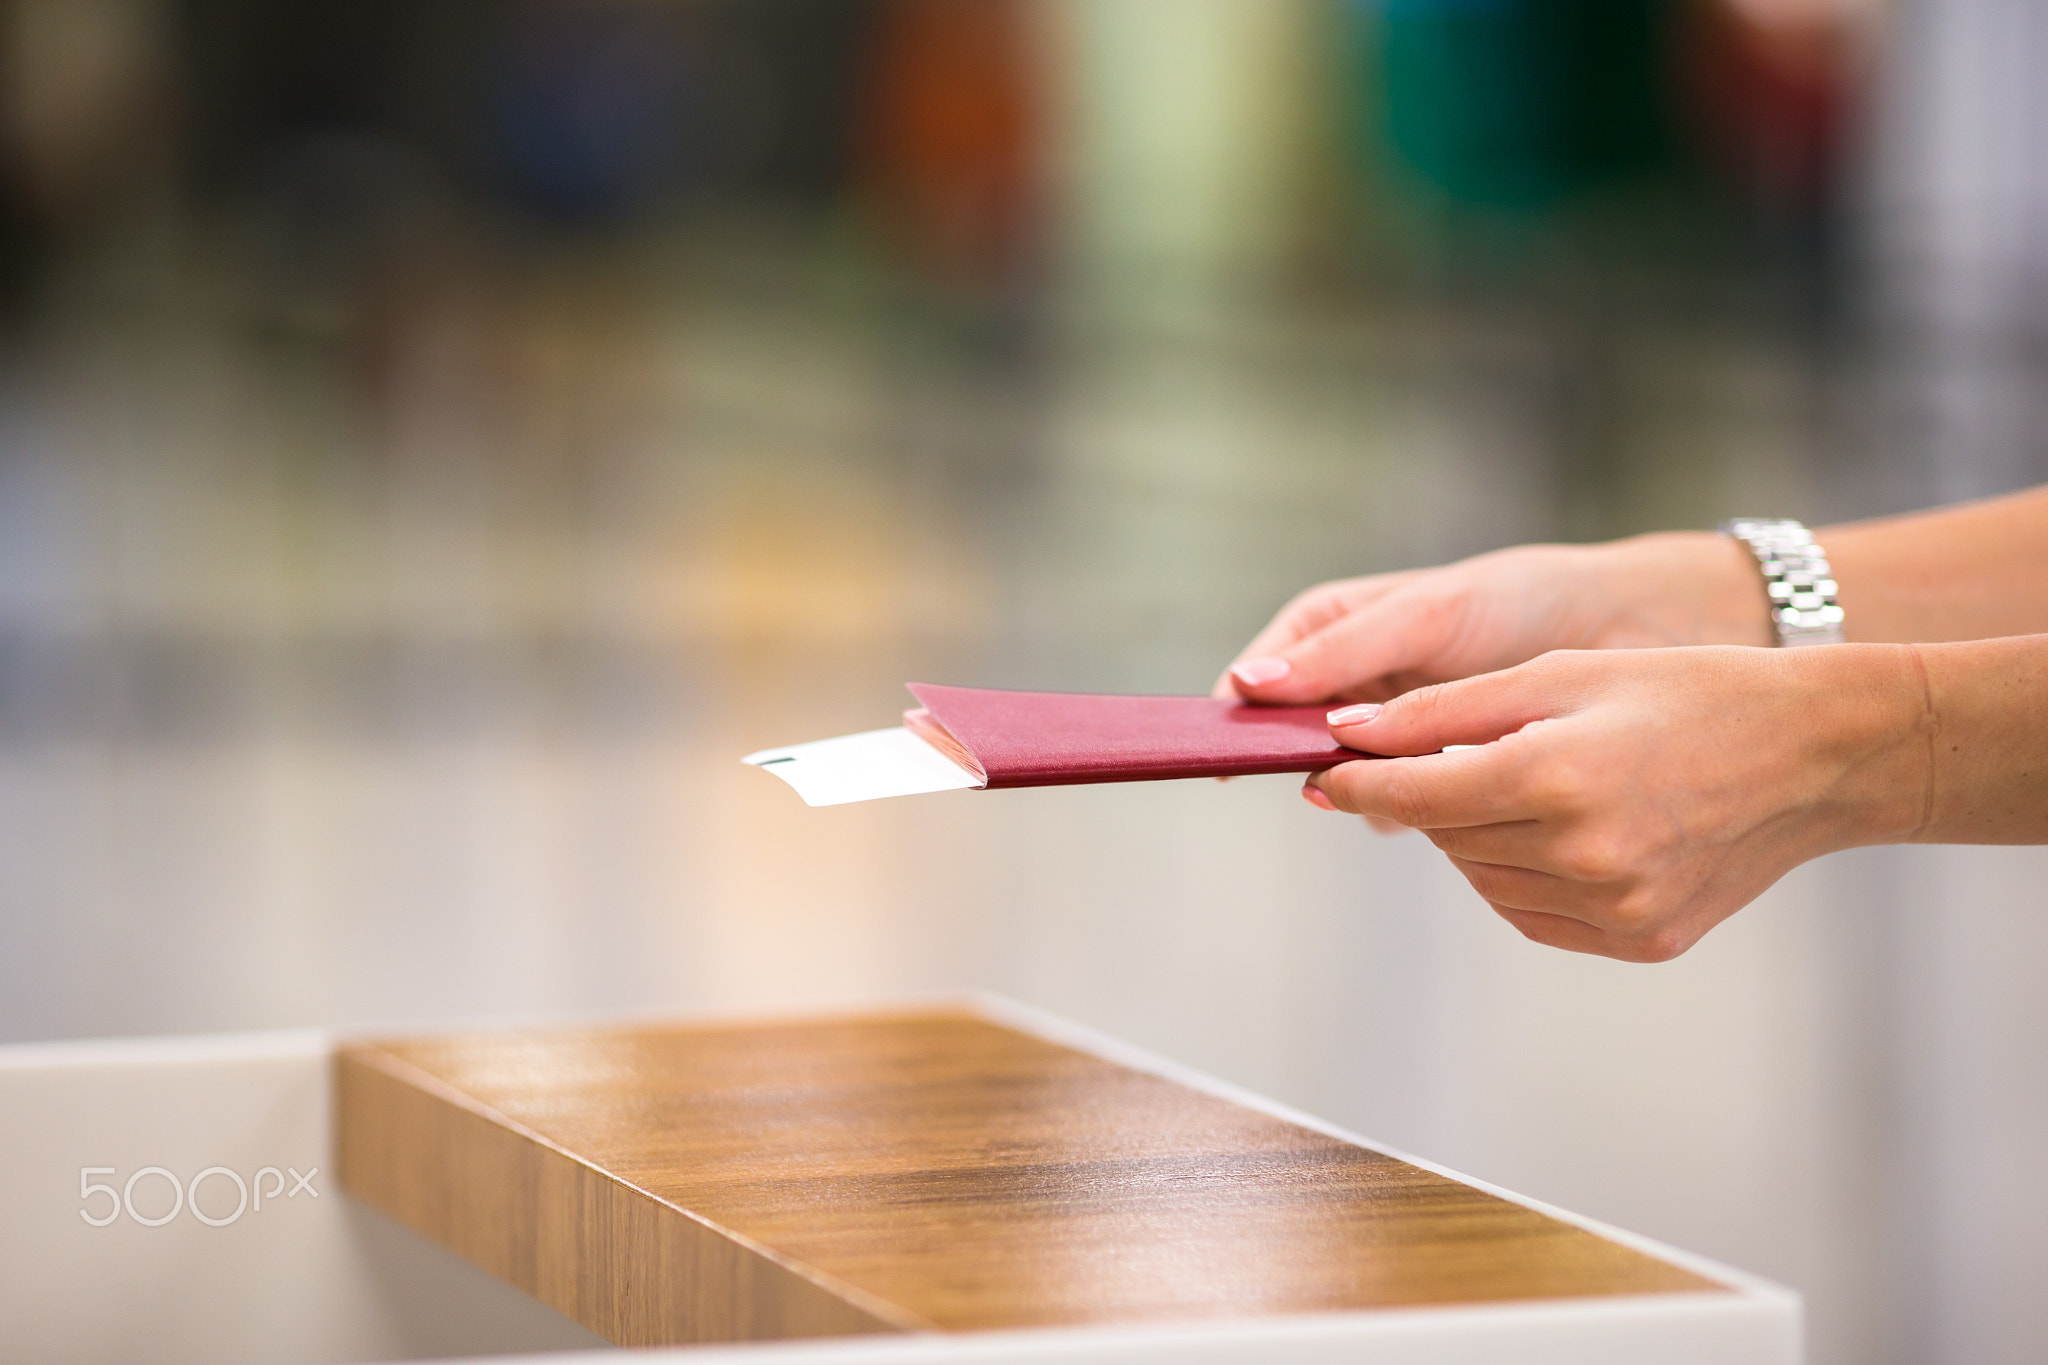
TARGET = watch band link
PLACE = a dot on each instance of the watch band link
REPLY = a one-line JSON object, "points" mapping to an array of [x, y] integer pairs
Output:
{"points": [[1797, 579]]}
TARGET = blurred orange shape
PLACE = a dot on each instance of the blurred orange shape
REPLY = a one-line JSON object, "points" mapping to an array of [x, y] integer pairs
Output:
{"points": [[950, 134]]}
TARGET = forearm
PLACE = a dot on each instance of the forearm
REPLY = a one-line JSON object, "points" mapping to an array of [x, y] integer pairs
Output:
{"points": [[1963, 573], [1973, 572], [1987, 742]]}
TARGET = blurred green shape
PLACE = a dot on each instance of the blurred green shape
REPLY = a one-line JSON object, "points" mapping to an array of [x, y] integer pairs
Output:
{"points": [[1516, 103]]}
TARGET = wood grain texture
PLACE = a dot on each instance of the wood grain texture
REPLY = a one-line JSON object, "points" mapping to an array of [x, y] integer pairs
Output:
{"points": [[930, 1169]]}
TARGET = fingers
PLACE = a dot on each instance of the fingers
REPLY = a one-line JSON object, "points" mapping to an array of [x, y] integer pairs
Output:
{"points": [[1615, 919], [1506, 777], [1560, 913], [1531, 843], [1307, 612], [1578, 936], [1557, 931], [1377, 824], [1267, 669], [1522, 888], [1435, 791], [1469, 711], [1351, 657], [1354, 656]]}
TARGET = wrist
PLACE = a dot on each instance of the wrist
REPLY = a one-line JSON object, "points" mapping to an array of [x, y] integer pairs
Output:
{"points": [[1869, 736], [1987, 751], [1681, 588]]}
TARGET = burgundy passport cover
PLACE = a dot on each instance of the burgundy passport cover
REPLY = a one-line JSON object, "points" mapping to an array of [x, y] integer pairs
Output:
{"points": [[1045, 739]]}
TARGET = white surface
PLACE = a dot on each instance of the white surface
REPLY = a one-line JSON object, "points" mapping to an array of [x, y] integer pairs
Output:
{"points": [[863, 767], [310, 1278], [1650, 1331], [320, 1279]]}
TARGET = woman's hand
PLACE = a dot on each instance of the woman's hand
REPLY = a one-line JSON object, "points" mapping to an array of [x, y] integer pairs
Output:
{"points": [[1623, 803], [1368, 639]]}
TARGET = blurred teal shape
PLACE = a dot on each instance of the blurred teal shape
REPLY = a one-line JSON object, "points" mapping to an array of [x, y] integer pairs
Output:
{"points": [[1515, 103]]}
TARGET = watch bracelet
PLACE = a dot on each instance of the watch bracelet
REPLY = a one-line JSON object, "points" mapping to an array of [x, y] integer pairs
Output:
{"points": [[1799, 584]]}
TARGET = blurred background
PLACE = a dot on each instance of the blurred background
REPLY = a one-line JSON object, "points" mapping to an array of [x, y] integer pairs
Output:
{"points": [[437, 438]]}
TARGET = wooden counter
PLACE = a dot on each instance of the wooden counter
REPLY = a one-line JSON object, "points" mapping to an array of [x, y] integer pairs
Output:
{"points": [[918, 1170]]}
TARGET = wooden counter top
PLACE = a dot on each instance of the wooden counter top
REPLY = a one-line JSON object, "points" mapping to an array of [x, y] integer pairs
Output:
{"points": [[932, 1169]]}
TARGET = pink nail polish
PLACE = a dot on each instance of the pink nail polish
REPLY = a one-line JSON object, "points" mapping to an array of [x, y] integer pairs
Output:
{"points": [[1316, 797], [1259, 672], [1354, 715]]}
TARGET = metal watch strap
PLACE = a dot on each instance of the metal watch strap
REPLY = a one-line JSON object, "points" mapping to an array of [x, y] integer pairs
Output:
{"points": [[1797, 579]]}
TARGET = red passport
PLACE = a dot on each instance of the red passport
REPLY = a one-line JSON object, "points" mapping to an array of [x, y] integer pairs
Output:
{"points": [[1045, 739]]}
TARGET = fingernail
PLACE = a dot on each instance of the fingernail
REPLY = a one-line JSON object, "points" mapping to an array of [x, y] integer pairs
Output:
{"points": [[1316, 797], [1354, 715], [1259, 672]]}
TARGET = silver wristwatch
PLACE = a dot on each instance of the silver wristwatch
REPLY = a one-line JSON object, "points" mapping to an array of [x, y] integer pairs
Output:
{"points": [[1797, 579]]}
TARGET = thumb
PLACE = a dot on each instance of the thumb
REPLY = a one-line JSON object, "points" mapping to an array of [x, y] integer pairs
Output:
{"points": [[1354, 655], [1469, 711]]}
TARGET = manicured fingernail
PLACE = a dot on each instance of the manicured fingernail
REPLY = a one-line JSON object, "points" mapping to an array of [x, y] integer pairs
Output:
{"points": [[1316, 797], [1259, 672], [1354, 715]]}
